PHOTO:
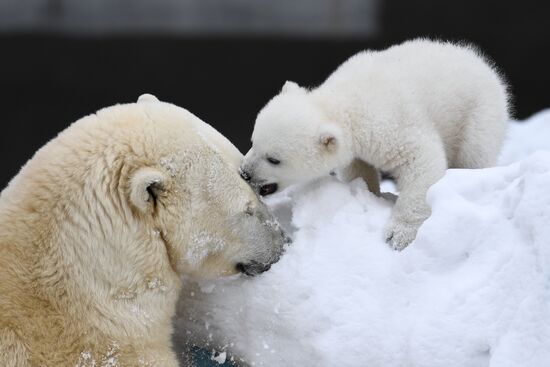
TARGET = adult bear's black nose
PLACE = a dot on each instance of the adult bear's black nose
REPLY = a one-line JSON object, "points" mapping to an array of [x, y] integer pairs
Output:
{"points": [[245, 175], [253, 268]]}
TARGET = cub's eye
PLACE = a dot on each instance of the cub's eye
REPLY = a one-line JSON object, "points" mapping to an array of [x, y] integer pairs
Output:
{"points": [[273, 160]]}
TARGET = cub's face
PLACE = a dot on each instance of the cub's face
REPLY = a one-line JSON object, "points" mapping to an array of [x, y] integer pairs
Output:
{"points": [[292, 142]]}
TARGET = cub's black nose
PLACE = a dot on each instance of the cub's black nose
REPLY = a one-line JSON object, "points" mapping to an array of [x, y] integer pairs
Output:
{"points": [[252, 268], [245, 175], [268, 189]]}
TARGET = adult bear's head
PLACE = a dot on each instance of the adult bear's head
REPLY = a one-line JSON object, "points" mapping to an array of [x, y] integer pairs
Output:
{"points": [[183, 184], [141, 188]]}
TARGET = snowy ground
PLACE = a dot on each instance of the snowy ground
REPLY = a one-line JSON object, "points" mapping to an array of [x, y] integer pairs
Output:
{"points": [[472, 290]]}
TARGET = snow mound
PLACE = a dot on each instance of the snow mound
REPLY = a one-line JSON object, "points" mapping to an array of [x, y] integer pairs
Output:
{"points": [[473, 289]]}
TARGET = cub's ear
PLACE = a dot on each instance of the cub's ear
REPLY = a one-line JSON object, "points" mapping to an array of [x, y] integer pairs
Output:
{"points": [[291, 87], [145, 186], [328, 141]]}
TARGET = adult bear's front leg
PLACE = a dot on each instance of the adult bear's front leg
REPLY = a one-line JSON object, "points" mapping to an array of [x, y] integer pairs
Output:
{"points": [[424, 166]]}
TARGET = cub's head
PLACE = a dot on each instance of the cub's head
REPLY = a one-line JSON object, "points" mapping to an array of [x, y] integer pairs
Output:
{"points": [[293, 141]]}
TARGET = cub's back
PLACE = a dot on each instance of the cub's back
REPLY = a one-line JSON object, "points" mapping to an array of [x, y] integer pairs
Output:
{"points": [[417, 64], [442, 80]]}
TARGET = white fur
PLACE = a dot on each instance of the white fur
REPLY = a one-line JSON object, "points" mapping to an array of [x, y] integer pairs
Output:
{"points": [[97, 229], [412, 110]]}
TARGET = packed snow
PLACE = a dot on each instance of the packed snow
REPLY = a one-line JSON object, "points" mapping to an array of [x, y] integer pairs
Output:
{"points": [[472, 290]]}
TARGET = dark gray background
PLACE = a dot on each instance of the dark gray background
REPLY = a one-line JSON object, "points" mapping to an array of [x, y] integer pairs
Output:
{"points": [[223, 59]]}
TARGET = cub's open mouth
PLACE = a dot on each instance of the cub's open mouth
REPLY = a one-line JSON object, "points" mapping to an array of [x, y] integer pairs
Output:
{"points": [[268, 189]]}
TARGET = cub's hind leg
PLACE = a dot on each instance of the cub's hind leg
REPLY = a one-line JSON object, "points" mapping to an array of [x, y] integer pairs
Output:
{"points": [[482, 137]]}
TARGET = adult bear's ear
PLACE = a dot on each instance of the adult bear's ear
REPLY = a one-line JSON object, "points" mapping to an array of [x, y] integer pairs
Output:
{"points": [[146, 185], [291, 87], [146, 97]]}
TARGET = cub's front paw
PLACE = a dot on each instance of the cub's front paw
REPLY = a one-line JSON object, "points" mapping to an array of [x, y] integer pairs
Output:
{"points": [[400, 234]]}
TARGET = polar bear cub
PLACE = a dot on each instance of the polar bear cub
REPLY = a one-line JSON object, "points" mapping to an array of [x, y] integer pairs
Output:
{"points": [[99, 226], [412, 110]]}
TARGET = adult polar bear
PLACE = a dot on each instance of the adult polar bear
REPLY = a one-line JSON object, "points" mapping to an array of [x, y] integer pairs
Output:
{"points": [[97, 228], [412, 110]]}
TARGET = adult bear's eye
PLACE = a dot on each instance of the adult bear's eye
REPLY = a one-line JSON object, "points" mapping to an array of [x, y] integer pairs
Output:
{"points": [[273, 160]]}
